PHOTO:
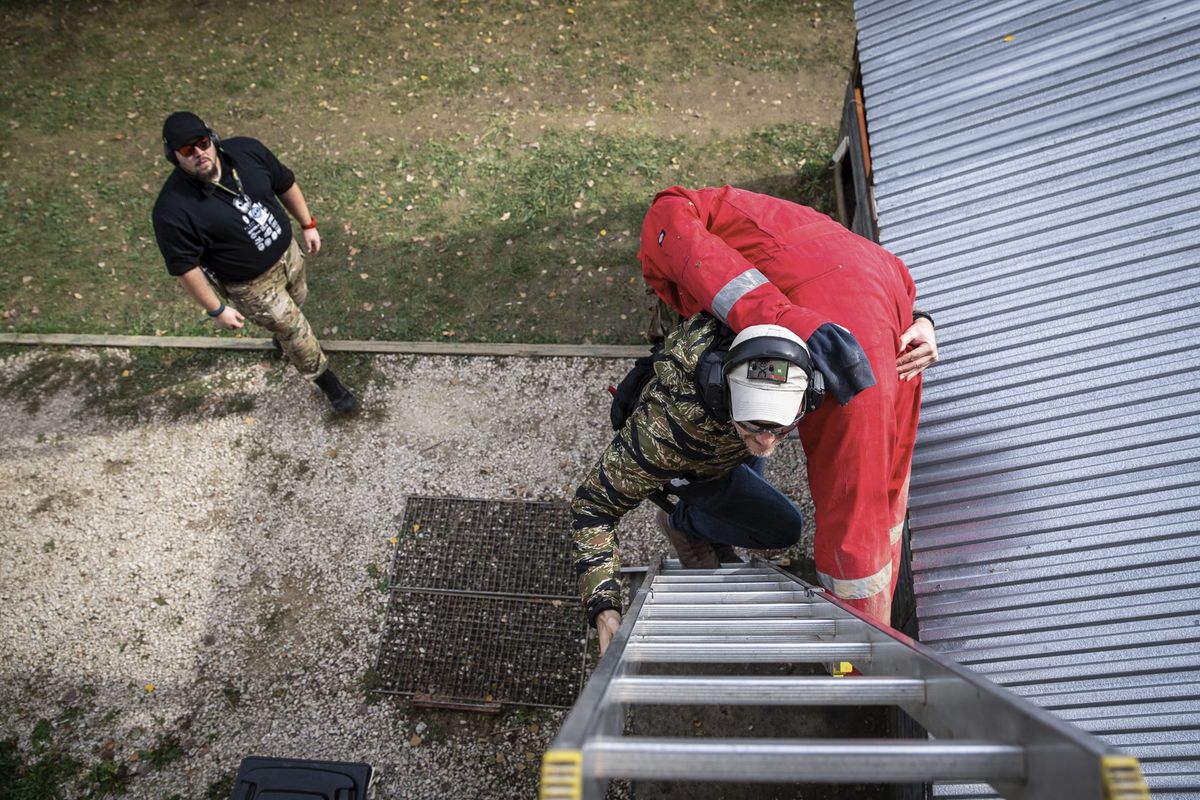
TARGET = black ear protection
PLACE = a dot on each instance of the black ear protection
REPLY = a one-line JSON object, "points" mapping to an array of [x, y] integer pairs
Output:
{"points": [[718, 361], [169, 153]]}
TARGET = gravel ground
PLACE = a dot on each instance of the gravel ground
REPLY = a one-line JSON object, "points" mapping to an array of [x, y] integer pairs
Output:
{"points": [[216, 578]]}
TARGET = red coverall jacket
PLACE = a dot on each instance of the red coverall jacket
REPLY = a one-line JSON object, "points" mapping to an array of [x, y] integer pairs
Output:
{"points": [[751, 259]]}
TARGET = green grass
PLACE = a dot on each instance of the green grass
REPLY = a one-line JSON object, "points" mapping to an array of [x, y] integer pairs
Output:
{"points": [[44, 770], [220, 789], [106, 778], [167, 750], [445, 148], [47, 773], [42, 773]]}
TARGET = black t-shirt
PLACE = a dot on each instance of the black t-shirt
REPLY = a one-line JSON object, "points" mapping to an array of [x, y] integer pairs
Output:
{"points": [[236, 238]]}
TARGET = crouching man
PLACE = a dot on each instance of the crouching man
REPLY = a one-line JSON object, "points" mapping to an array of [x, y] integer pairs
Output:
{"points": [[714, 408]]}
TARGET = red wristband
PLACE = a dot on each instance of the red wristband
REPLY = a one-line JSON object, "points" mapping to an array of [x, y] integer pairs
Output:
{"points": [[312, 224]]}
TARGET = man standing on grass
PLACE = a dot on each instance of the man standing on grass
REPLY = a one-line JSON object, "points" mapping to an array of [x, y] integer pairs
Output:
{"points": [[225, 238]]}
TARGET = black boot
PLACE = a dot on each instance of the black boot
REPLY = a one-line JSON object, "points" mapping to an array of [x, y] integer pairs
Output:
{"points": [[340, 398], [693, 553], [726, 554]]}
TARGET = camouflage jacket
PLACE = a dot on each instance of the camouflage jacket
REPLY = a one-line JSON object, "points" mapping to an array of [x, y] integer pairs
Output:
{"points": [[670, 435]]}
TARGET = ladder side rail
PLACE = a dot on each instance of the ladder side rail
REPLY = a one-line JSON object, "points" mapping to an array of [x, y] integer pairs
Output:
{"points": [[563, 772], [1062, 761]]}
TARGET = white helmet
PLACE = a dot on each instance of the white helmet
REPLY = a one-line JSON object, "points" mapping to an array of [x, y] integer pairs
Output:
{"points": [[768, 371]]}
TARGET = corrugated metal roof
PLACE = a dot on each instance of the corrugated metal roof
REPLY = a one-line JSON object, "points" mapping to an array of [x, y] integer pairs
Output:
{"points": [[1036, 165]]}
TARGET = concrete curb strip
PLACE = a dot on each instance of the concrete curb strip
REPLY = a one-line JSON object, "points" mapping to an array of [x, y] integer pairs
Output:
{"points": [[335, 345]]}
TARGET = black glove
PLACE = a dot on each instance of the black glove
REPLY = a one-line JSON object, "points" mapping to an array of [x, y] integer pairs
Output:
{"points": [[840, 358]]}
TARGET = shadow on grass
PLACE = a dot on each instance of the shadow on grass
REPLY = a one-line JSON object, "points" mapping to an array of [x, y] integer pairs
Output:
{"points": [[557, 278], [130, 384]]}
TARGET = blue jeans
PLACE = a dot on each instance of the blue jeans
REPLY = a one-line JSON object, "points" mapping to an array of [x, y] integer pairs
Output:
{"points": [[740, 508]]}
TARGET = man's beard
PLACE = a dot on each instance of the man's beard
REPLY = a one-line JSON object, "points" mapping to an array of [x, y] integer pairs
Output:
{"points": [[209, 174], [756, 449]]}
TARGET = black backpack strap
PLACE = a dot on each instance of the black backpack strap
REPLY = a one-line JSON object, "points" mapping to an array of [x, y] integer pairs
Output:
{"points": [[628, 393]]}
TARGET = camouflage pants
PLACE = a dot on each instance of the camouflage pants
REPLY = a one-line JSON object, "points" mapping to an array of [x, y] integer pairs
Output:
{"points": [[273, 300]]}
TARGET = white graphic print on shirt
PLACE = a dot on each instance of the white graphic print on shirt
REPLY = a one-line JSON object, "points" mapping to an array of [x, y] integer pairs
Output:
{"points": [[261, 225]]}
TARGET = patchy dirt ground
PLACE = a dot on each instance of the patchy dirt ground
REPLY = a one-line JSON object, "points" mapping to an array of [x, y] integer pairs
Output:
{"points": [[479, 170], [179, 593]]}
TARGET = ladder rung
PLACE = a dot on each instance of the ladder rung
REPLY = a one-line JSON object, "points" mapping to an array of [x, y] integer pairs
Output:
{"points": [[709, 596], [747, 611], [745, 639], [719, 652], [721, 586], [774, 691], [745, 627], [735, 577], [810, 761], [671, 566]]}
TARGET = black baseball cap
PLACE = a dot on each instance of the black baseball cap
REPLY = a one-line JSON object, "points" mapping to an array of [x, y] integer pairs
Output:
{"points": [[181, 128]]}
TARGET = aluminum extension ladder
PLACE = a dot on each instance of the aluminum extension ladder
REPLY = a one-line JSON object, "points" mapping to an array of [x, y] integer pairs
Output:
{"points": [[759, 614]]}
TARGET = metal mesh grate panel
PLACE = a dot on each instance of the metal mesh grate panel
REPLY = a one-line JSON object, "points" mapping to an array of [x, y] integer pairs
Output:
{"points": [[483, 605], [507, 547], [472, 648]]}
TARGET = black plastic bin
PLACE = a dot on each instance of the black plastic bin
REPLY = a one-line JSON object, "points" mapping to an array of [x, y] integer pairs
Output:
{"points": [[298, 779]]}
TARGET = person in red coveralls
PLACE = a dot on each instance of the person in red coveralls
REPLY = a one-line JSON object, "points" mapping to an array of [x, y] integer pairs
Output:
{"points": [[750, 259]]}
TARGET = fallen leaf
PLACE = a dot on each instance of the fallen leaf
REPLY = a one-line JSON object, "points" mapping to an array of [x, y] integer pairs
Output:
{"points": [[149, 687], [331, 452], [414, 740]]}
